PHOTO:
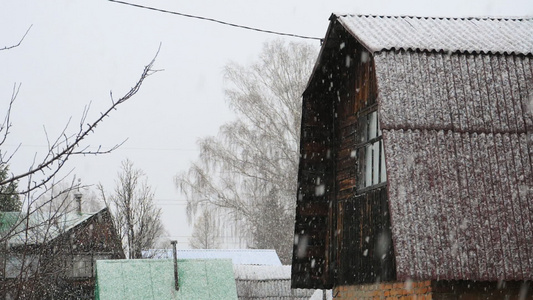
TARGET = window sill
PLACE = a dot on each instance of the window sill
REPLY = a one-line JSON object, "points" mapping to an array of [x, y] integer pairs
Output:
{"points": [[370, 188]]}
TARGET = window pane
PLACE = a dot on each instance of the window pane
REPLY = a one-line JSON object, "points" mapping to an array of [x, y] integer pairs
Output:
{"points": [[81, 266], [383, 176], [368, 165], [372, 125], [15, 268], [370, 156], [377, 124], [361, 129], [375, 163]]}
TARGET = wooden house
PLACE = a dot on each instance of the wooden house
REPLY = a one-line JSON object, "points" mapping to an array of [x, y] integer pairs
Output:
{"points": [[415, 173], [55, 258]]}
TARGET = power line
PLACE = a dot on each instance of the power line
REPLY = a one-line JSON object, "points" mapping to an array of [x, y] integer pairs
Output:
{"points": [[217, 21], [95, 147]]}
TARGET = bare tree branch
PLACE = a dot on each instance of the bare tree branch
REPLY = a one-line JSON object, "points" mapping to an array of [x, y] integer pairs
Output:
{"points": [[18, 44], [57, 156], [47, 201]]}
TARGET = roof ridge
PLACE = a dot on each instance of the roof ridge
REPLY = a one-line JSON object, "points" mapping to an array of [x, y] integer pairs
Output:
{"points": [[467, 34], [495, 18]]}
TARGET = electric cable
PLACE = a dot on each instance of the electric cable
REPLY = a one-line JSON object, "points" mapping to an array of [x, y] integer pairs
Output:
{"points": [[216, 21]]}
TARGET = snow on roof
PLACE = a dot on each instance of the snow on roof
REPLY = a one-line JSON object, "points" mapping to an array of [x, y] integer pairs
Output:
{"points": [[251, 272], [238, 256], [494, 35], [43, 227], [154, 279], [457, 137], [267, 282]]}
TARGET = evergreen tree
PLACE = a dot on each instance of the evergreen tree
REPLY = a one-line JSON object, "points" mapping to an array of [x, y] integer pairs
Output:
{"points": [[9, 197]]}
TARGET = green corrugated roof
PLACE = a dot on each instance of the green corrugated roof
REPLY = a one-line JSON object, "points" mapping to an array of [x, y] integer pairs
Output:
{"points": [[154, 279], [37, 228], [8, 219]]}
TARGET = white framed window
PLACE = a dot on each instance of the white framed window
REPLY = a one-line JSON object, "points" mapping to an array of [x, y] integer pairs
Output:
{"points": [[82, 266], [15, 267], [370, 153]]}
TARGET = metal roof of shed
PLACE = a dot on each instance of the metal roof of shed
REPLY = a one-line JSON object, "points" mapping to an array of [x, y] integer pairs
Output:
{"points": [[472, 35], [154, 279]]}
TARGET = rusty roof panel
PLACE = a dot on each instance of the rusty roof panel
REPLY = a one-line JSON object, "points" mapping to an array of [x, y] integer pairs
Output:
{"points": [[472, 35]]}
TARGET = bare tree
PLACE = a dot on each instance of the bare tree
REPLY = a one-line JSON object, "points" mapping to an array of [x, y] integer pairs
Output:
{"points": [[205, 232], [136, 217], [33, 225], [254, 159]]}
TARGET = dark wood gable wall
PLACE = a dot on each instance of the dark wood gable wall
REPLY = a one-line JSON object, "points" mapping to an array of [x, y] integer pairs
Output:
{"points": [[316, 189], [337, 231], [363, 249]]}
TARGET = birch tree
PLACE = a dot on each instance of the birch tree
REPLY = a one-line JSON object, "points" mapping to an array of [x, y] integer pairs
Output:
{"points": [[136, 217], [250, 169], [205, 232]]}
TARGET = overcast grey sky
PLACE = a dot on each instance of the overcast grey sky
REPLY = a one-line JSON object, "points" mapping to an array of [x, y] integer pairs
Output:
{"points": [[78, 51]]}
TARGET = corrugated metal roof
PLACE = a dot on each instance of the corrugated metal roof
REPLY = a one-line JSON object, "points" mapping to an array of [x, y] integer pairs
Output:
{"points": [[8, 220], [44, 227], [249, 272], [154, 279], [238, 256], [458, 136], [267, 282], [481, 93], [494, 35]]}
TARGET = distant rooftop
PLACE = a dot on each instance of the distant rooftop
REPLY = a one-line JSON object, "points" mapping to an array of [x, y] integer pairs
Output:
{"points": [[43, 227], [238, 256], [269, 282]]}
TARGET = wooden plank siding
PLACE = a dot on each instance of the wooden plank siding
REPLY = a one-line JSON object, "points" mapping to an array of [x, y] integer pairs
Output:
{"points": [[332, 221], [364, 250], [366, 253]]}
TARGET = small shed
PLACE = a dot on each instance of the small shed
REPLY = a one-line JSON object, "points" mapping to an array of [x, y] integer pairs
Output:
{"points": [[154, 279]]}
